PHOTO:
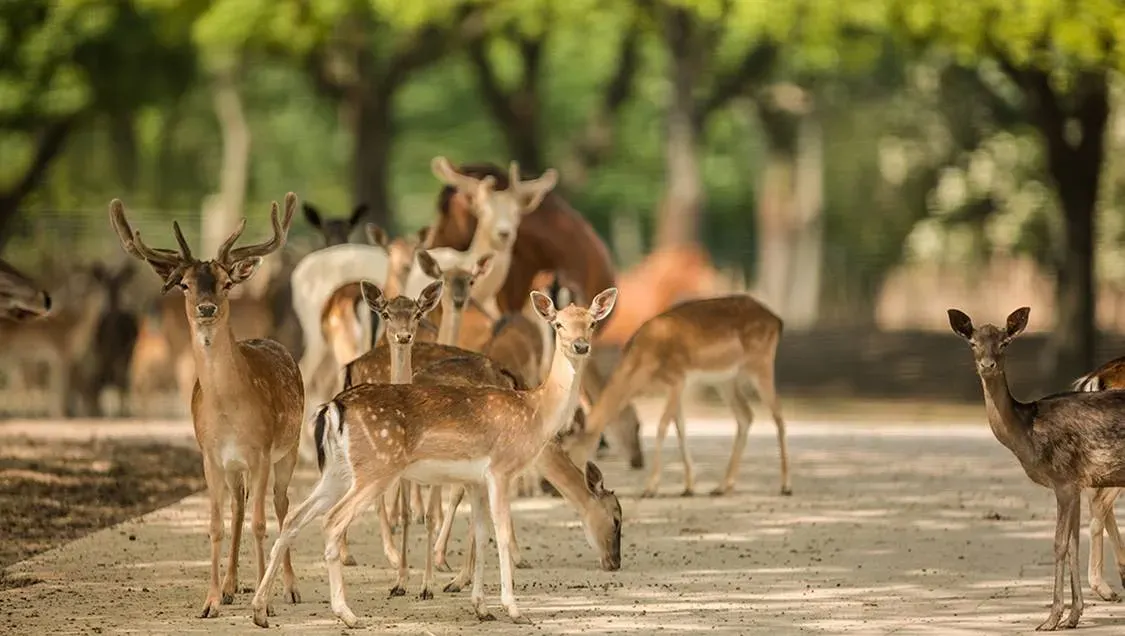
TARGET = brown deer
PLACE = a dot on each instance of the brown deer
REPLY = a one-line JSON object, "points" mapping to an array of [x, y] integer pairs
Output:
{"points": [[20, 297], [371, 434], [106, 362], [1109, 376], [460, 322], [248, 399], [333, 231], [1064, 442], [732, 339]]}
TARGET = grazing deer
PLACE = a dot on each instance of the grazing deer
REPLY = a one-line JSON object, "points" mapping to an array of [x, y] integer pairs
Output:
{"points": [[20, 297], [498, 215], [107, 361], [1109, 376], [1064, 442], [730, 339], [333, 231], [372, 434], [247, 402]]}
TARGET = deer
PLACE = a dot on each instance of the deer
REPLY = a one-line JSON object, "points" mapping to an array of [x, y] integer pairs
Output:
{"points": [[21, 299], [498, 215], [1109, 376], [107, 361], [1065, 442], [333, 231], [729, 339], [372, 434], [248, 398]]}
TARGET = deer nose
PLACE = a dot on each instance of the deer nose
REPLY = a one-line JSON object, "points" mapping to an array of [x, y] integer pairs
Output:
{"points": [[581, 347], [988, 364], [46, 301], [404, 338], [206, 310], [504, 235]]}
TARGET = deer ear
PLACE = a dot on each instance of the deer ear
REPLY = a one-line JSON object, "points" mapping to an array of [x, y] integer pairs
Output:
{"points": [[961, 323], [357, 214], [594, 480], [242, 270], [603, 304], [483, 266], [311, 214], [544, 306], [1017, 321], [373, 296], [536, 190], [430, 296], [125, 273], [377, 235], [429, 264]]}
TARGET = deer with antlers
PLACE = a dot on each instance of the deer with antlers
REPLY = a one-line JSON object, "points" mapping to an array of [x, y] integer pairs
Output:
{"points": [[372, 434], [20, 298], [248, 397], [732, 339]]}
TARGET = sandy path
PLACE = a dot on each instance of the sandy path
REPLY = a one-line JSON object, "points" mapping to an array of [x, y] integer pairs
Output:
{"points": [[925, 530]]}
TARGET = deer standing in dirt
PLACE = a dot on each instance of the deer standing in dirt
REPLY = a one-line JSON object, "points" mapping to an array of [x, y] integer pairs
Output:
{"points": [[1109, 376], [248, 398], [1064, 442], [372, 434], [20, 297], [730, 339], [106, 363]]}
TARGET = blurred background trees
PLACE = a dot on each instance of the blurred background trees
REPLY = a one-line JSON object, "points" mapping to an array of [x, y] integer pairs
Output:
{"points": [[833, 155]]}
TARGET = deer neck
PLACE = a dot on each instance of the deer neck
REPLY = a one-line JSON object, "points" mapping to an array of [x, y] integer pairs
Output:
{"points": [[1006, 416], [219, 364], [557, 396], [449, 329], [401, 371], [486, 287]]}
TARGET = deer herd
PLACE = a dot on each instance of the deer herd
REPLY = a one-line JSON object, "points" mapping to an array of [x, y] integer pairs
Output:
{"points": [[460, 357]]}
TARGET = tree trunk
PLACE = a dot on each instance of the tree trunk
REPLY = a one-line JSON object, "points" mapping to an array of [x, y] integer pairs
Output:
{"points": [[682, 203], [373, 136], [125, 150], [777, 201], [48, 147], [805, 266], [223, 210]]}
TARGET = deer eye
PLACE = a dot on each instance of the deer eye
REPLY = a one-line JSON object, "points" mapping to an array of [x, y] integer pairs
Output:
{"points": [[228, 284], [183, 286]]}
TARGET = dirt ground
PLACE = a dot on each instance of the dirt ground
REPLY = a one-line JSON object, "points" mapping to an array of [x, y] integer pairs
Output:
{"points": [[914, 527]]}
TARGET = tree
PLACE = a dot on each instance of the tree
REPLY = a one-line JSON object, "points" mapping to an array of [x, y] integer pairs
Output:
{"points": [[64, 64], [1056, 58]]}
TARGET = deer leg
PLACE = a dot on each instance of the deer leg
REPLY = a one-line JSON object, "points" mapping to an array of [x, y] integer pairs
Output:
{"points": [[1098, 514], [399, 588], [436, 491], [480, 542], [339, 517], [386, 532], [1073, 525], [745, 417], [282, 475], [260, 476], [499, 503], [236, 482], [441, 546], [661, 432], [215, 490], [1113, 532], [685, 454], [763, 381], [327, 493], [432, 515], [1064, 496], [417, 506]]}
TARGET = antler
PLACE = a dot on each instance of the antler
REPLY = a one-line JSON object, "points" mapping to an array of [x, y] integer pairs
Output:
{"points": [[134, 246], [228, 256], [514, 175], [447, 174]]}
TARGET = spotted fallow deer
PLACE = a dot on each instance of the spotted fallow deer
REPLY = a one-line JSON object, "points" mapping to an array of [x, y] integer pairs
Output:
{"points": [[498, 214], [248, 398], [1109, 376], [1065, 442], [20, 297], [372, 434], [732, 339]]}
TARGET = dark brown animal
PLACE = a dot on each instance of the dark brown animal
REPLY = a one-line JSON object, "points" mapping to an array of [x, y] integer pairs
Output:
{"points": [[334, 231], [1064, 442], [106, 364]]}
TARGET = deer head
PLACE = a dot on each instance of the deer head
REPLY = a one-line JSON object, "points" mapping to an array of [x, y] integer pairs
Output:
{"points": [[603, 532], [459, 281], [498, 212], [334, 231], [113, 281], [401, 315], [988, 342], [400, 254], [20, 298], [574, 325], [206, 284]]}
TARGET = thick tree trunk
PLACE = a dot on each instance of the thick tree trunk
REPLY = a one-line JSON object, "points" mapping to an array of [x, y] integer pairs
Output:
{"points": [[125, 150], [48, 147], [371, 157], [223, 210], [806, 256], [682, 203]]}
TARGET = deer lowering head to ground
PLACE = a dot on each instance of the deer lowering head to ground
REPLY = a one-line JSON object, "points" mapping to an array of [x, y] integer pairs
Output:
{"points": [[730, 339], [1064, 442], [20, 297], [248, 399], [334, 231], [372, 434]]}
